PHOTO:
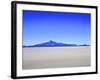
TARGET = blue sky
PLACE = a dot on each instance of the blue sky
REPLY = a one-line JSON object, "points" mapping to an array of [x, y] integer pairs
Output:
{"points": [[42, 26]]}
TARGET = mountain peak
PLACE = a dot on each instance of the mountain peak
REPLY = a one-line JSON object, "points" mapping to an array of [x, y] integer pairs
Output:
{"points": [[51, 41]]}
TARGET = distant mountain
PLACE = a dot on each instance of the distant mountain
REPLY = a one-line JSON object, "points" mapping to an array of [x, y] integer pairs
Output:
{"points": [[84, 45], [51, 44]]}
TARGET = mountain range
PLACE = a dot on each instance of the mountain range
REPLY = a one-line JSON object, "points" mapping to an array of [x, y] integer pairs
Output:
{"points": [[53, 44]]}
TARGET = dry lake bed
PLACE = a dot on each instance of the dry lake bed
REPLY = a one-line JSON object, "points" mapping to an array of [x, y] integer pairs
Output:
{"points": [[56, 57]]}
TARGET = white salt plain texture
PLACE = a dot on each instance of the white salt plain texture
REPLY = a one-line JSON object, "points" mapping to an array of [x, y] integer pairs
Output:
{"points": [[56, 57]]}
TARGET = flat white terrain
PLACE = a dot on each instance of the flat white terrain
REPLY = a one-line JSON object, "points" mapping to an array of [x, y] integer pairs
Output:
{"points": [[56, 57]]}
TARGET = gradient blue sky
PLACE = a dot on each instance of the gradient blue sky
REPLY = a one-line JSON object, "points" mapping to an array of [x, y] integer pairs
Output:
{"points": [[42, 26]]}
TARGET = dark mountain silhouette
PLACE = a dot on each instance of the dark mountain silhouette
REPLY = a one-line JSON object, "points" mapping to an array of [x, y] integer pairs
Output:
{"points": [[50, 44]]}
